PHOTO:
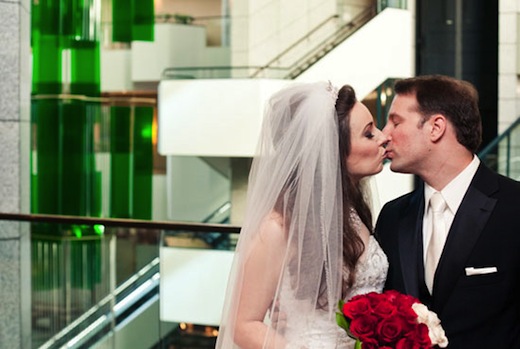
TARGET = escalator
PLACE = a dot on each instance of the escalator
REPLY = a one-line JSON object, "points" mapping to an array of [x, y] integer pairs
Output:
{"points": [[129, 301], [105, 291]]}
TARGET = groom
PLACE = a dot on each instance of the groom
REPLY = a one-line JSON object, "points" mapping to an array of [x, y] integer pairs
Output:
{"points": [[465, 263]]}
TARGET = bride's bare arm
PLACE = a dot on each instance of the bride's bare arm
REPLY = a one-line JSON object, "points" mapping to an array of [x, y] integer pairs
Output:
{"points": [[261, 275]]}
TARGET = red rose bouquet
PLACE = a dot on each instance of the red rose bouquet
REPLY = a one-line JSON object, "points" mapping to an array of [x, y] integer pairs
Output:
{"points": [[390, 320]]}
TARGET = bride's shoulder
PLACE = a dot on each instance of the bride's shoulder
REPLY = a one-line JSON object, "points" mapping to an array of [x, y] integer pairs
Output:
{"points": [[272, 228]]}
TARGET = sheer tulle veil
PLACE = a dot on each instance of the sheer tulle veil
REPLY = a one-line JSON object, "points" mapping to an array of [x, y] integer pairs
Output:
{"points": [[296, 174]]}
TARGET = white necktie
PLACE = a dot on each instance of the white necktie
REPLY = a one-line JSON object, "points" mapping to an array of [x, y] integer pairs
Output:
{"points": [[437, 238]]}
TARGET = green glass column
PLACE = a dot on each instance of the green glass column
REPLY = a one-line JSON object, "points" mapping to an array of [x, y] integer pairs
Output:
{"points": [[144, 20], [45, 174], [143, 163], [85, 68], [47, 64], [133, 20], [65, 174], [81, 194], [121, 162], [131, 162]]}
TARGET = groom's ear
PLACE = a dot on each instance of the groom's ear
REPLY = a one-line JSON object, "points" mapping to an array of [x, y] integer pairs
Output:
{"points": [[438, 124]]}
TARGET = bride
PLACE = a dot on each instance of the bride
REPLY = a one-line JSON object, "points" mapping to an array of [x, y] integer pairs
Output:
{"points": [[307, 238]]}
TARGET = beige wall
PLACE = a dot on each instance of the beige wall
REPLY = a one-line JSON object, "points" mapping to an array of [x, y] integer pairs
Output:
{"points": [[195, 8]]}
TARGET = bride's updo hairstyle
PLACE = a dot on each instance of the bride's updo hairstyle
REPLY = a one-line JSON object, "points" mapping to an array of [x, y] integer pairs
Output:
{"points": [[353, 197]]}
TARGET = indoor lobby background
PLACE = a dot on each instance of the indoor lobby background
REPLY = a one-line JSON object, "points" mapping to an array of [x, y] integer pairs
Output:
{"points": [[127, 128]]}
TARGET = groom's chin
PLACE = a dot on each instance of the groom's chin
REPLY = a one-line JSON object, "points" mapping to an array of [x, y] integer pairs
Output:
{"points": [[395, 167]]}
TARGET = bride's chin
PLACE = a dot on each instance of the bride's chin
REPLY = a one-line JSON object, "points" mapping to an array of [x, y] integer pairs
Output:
{"points": [[379, 169]]}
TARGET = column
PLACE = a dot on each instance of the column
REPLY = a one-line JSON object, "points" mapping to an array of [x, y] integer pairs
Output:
{"points": [[15, 288]]}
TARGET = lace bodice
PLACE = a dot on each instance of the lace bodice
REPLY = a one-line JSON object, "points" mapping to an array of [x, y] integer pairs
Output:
{"points": [[315, 329], [371, 271]]}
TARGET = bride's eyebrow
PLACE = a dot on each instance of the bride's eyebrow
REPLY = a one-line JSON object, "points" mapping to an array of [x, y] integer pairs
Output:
{"points": [[368, 126]]}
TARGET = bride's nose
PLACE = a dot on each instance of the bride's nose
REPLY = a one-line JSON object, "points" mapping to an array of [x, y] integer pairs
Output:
{"points": [[382, 139]]}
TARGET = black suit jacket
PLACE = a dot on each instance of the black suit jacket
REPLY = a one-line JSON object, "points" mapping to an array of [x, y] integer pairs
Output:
{"points": [[480, 311]]}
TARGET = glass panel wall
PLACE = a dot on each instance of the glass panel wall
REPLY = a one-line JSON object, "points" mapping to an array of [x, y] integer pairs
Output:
{"points": [[111, 283]]}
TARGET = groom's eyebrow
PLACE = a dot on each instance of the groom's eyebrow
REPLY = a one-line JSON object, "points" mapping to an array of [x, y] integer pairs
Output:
{"points": [[393, 116]]}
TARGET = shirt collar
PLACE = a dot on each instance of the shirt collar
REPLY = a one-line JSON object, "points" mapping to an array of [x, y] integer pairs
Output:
{"points": [[455, 190]]}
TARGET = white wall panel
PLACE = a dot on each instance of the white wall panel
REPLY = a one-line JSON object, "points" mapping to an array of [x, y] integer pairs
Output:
{"points": [[212, 117]]}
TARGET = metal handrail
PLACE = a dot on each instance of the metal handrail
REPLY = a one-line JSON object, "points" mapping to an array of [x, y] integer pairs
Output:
{"points": [[293, 45], [331, 42], [338, 36], [121, 222], [484, 152]]}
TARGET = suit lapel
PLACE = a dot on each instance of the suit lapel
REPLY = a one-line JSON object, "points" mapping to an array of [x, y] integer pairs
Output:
{"points": [[410, 237], [468, 224]]}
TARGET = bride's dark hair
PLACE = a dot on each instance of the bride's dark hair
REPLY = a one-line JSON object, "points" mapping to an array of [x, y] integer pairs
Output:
{"points": [[353, 197]]}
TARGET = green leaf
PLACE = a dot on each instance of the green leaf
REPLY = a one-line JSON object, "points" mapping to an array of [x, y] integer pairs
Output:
{"points": [[341, 303], [358, 344], [342, 322]]}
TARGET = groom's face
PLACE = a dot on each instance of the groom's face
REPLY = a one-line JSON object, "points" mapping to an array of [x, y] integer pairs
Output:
{"points": [[407, 137]]}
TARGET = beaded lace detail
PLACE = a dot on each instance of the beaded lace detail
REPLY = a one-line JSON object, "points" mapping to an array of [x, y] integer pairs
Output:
{"points": [[312, 328]]}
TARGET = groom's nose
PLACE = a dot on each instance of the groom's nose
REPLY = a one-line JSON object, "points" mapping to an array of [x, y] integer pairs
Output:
{"points": [[387, 130]]}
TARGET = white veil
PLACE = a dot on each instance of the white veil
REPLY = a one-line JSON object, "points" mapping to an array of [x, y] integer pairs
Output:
{"points": [[296, 173]]}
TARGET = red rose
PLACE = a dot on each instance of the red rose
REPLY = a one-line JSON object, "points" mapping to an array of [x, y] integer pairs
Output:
{"points": [[375, 298], [391, 329], [364, 327], [400, 298], [420, 335], [384, 321], [356, 308], [371, 297], [370, 345], [385, 309], [408, 314], [407, 343], [392, 295]]}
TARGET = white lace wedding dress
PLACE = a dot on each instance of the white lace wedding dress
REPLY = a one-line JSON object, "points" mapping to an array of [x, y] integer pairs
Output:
{"points": [[314, 329]]}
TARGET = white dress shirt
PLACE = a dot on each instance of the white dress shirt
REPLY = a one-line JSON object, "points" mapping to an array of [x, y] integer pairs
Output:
{"points": [[453, 193]]}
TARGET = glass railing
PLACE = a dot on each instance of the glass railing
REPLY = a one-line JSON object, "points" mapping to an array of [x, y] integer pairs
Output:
{"points": [[95, 281], [503, 154]]}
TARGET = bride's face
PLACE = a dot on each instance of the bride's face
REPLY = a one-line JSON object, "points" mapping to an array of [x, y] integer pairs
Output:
{"points": [[367, 142]]}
